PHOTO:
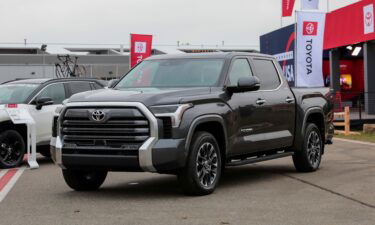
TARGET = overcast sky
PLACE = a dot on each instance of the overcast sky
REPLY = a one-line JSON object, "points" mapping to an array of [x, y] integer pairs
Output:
{"points": [[237, 22]]}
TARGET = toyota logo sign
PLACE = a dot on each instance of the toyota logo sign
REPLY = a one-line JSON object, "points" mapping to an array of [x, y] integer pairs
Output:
{"points": [[368, 20], [98, 115], [310, 28]]}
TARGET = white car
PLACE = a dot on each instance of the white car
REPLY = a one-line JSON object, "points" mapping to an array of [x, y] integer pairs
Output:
{"points": [[40, 97]]}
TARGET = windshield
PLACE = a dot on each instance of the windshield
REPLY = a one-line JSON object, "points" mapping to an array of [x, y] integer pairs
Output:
{"points": [[174, 73], [15, 93]]}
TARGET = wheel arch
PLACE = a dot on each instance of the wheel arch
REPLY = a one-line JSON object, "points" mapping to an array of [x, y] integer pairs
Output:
{"points": [[316, 116], [213, 124], [20, 128]]}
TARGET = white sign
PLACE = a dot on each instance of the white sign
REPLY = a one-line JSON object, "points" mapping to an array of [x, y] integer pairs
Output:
{"points": [[309, 56], [19, 116], [368, 18], [310, 4], [284, 56], [140, 47]]}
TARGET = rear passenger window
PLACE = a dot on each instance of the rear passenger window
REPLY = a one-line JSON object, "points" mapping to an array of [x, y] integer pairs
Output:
{"points": [[96, 85], [77, 87], [267, 74], [240, 68]]}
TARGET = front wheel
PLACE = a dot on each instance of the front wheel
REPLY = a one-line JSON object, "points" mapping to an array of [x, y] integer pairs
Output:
{"points": [[80, 180], [309, 157], [12, 149], [203, 168]]}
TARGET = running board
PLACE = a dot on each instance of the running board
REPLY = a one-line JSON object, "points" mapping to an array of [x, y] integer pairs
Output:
{"points": [[259, 159]]}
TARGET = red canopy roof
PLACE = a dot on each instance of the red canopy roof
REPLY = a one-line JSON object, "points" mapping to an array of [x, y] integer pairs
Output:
{"points": [[345, 26]]}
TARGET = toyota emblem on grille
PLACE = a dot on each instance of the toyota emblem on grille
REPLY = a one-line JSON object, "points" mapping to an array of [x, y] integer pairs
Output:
{"points": [[98, 115]]}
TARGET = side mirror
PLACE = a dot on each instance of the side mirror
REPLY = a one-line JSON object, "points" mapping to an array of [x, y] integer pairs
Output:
{"points": [[112, 83], [42, 102], [245, 84]]}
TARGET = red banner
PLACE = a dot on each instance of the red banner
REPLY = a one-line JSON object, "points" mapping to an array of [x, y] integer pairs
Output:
{"points": [[351, 24], [140, 48], [288, 6]]}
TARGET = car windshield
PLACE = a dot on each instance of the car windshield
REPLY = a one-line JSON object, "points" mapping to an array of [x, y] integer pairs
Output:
{"points": [[15, 93], [173, 73]]}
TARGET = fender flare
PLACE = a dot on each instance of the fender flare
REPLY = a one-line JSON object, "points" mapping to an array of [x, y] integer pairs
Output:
{"points": [[307, 114], [203, 119]]}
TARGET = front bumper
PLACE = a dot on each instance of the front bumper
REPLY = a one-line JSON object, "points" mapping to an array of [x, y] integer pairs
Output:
{"points": [[167, 155]]}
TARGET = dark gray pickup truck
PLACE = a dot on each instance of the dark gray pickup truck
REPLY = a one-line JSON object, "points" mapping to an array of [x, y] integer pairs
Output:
{"points": [[191, 115]]}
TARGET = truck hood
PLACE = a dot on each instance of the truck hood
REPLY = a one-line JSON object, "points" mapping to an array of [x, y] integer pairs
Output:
{"points": [[147, 96]]}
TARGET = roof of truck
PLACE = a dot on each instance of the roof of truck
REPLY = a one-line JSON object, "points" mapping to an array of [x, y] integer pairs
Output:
{"points": [[214, 55]]}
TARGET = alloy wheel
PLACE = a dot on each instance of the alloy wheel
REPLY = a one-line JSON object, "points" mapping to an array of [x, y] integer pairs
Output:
{"points": [[314, 148], [207, 164]]}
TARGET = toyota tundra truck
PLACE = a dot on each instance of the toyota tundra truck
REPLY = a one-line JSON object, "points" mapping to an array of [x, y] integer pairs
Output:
{"points": [[191, 115]]}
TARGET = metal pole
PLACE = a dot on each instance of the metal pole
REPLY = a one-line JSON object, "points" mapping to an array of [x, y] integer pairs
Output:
{"points": [[44, 64], [281, 17]]}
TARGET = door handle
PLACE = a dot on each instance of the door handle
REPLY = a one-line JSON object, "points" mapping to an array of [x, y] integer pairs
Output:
{"points": [[289, 100], [260, 101]]}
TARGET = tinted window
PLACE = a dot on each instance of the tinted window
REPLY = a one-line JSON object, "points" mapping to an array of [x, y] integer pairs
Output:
{"points": [[15, 93], [267, 74], [240, 68], [54, 91], [170, 73], [96, 85], [76, 87]]}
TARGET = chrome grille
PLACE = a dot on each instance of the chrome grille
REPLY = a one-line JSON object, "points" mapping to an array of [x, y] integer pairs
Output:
{"points": [[121, 129]]}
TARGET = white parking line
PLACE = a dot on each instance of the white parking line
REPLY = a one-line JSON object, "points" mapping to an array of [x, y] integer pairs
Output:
{"points": [[2, 172], [12, 181]]}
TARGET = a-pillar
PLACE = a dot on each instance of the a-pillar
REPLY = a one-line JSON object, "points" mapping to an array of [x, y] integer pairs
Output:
{"points": [[334, 66], [369, 64]]}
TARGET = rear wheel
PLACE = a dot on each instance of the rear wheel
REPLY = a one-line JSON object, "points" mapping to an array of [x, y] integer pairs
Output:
{"points": [[309, 157], [12, 149], [203, 169], [80, 180]]}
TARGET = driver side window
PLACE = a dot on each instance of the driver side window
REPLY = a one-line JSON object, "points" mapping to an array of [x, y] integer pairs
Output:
{"points": [[54, 91], [240, 68]]}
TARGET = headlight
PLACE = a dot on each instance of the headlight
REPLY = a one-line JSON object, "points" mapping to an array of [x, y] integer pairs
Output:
{"points": [[58, 110], [175, 112]]}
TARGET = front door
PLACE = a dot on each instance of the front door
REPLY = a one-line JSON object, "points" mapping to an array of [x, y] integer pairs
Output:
{"points": [[248, 120], [43, 117]]}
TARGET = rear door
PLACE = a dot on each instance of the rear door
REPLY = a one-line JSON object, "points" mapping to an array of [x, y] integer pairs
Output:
{"points": [[279, 105]]}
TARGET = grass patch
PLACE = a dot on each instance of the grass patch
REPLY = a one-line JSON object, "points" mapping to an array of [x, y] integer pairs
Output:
{"points": [[361, 137]]}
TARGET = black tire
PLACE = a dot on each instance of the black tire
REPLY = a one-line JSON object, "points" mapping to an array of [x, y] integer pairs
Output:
{"points": [[309, 157], [80, 180], [12, 149], [204, 159]]}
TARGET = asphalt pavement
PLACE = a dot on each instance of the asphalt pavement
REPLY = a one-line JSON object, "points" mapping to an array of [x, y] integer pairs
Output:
{"points": [[341, 192]]}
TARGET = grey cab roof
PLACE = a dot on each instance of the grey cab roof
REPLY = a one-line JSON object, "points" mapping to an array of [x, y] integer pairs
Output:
{"points": [[214, 55], [45, 80]]}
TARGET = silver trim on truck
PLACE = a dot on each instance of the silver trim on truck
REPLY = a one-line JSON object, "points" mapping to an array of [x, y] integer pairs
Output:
{"points": [[145, 151]]}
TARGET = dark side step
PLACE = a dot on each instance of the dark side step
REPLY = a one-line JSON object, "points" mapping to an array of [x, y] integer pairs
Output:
{"points": [[260, 158]]}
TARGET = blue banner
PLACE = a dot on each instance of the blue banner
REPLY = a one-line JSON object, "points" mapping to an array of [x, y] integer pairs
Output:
{"points": [[280, 43]]}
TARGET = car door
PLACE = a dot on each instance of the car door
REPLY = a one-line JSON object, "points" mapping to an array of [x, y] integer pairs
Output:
{"points": [[247, 120], [43, 117], [278, 109]]}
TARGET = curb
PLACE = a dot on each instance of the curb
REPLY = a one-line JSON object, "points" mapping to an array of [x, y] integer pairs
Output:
{"points": [[354, 142]]}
